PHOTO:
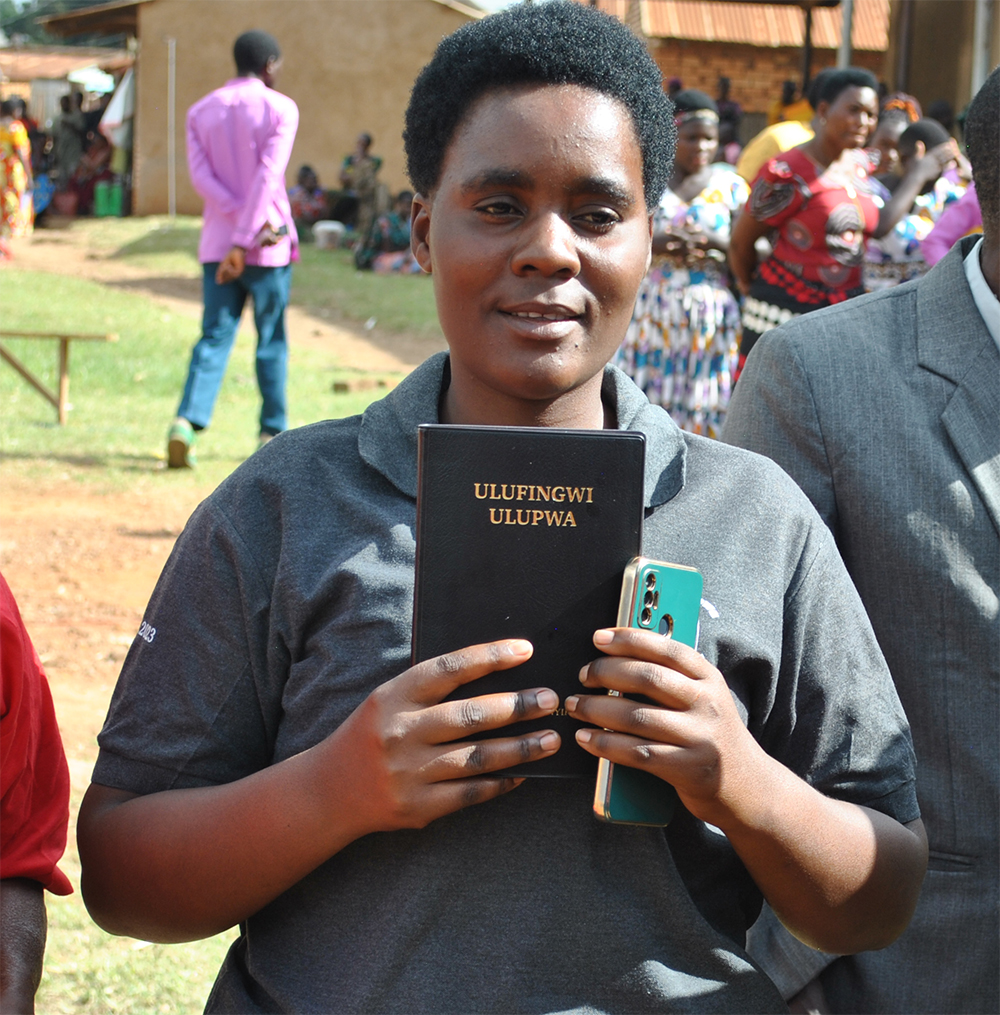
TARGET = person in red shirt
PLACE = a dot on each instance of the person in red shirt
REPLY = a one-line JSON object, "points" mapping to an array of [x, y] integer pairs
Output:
{"points": [[34, 809], [821, 201]]}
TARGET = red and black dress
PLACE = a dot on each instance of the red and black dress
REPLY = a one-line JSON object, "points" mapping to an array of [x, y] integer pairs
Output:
{"points": [[823, 218]]}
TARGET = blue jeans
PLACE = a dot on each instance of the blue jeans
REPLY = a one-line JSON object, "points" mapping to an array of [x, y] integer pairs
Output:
{"points": [[221, 320]]}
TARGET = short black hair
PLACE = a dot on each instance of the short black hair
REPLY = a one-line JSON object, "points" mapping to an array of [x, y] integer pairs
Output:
{"points": [[839, 80], [14, 106], [691, 101], [927, 130], [252, 50], [817, 84], [558, 43], [982, 142]]}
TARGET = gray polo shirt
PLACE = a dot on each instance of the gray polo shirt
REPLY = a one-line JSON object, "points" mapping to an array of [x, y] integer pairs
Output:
{"points": [[288, 598]]}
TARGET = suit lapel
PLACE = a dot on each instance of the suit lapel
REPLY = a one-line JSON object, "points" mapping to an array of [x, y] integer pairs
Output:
{"points": [[953, 341], [972, 419]]}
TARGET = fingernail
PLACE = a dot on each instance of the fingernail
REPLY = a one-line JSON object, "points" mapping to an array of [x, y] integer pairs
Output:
{"points": [[548, 741], [519, 647], [583, 673], [584, 736], [548, 700], [571, 702], [604, 637]]}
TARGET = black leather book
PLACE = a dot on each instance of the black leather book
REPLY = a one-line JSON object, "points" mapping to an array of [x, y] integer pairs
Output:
{"points": [[524, 532]]}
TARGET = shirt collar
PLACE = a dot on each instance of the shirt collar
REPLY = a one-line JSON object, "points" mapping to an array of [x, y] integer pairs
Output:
{"points": [[245, 82], [986, 302], [388, 437]]}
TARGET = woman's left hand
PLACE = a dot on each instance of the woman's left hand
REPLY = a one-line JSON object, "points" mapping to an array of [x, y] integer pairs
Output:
{"points": [[841, 877], [934, 162], [692, 737]]}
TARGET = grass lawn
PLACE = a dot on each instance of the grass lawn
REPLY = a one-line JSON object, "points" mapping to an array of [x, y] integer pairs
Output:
{"points": [[88, 971], [322, 280], [124, 394]]}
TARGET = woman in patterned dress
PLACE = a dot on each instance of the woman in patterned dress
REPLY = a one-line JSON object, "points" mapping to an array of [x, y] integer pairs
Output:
{"points": [[15, 176], [823, 204], [682, 345], [898, 256]]}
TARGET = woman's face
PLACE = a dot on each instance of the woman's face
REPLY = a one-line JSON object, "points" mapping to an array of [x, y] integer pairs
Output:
{"points": [[850, 117], [537, 236], [697, 144], [886, 140]]}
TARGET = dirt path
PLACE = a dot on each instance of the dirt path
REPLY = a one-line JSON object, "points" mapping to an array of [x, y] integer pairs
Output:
{"points": [[82, 567]]}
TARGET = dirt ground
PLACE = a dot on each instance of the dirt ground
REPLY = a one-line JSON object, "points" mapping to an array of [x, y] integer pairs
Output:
{"points": [[82, 565]]}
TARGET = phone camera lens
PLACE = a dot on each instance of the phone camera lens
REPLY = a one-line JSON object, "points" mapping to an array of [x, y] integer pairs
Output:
{"points": [[650, 579], [646, 616], [647, 599]]}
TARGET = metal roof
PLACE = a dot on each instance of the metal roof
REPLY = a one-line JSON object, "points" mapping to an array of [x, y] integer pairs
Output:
{"points": [[28, 63], [113, 18], [758, 24]]}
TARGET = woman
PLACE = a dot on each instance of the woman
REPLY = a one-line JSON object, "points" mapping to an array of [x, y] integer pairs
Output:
{"points": [[16, 215], [272, 758], [358, 178], [821, 200], [307, 200], [898, 112], [898, 256], [682, 346]]}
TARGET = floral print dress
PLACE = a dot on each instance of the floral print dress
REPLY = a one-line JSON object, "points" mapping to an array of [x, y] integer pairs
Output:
{"points": [[681, 347], [897, 257], [16, 210]]}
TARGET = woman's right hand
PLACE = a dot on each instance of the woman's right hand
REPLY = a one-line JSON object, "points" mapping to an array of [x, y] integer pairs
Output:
{"points": [[187, 863], [409, 751]]}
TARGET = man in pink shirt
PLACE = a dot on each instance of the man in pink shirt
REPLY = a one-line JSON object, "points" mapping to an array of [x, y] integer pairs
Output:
{"points": [[239, 140]]}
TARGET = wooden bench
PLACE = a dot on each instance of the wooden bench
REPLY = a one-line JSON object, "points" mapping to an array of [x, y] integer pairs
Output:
{"points": [[59, 401]]}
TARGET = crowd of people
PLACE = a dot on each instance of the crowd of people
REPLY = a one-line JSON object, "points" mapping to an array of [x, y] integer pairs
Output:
{"points": [[813, 214], [61, 167], [273, 759]]}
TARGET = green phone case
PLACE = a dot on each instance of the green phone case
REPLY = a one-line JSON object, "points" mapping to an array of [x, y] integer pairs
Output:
{"points": [[665, 598]]}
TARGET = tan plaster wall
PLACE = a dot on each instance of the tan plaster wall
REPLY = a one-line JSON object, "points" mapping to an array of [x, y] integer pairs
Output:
{"points": [[941, 51], [348, 64]]}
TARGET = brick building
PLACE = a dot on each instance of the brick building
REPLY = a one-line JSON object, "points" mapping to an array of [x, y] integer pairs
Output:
{"points": [[756, 45]]}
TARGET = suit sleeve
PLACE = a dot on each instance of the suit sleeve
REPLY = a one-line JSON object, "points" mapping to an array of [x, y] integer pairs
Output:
{"points": [[773, 412], [268, 185]]}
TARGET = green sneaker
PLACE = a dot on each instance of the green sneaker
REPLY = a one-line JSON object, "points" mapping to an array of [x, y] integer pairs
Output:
{"points": [[180, 445]]}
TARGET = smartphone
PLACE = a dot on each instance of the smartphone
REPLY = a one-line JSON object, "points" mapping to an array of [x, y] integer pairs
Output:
{"points": [[665, 598]]}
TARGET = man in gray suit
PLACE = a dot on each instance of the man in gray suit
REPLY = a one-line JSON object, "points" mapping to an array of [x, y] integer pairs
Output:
{"points": [[886, 411]]}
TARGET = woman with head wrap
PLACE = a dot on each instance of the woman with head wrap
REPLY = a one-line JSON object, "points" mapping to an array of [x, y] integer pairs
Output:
{"points": [[899, 110], [682, 345]]}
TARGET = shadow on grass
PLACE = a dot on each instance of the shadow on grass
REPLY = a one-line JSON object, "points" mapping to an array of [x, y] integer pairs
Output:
{"points": [[128, 463], [114, 460], [167, 285], [150, 534], [165, 240]]}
